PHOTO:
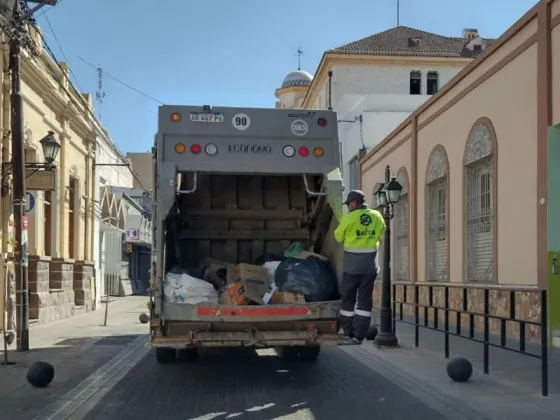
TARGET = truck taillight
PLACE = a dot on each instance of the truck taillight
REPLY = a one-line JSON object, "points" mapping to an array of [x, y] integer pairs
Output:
{"points": [[211, 149], [318, 152], [289, 151], [196, 149], [303, 151], [322, 122], [180, 148]]}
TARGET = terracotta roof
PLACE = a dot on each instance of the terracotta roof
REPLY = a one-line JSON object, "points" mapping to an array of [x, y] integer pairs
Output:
{"points": [[398, 41]]}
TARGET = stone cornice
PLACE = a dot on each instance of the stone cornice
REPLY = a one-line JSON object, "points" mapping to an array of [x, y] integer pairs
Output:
{"points": [[53, 94], [63, 102]]}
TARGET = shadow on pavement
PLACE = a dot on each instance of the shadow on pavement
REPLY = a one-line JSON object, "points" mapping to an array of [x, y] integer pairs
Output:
{"points": [[522, 371], [249, 384], [74, 360]]}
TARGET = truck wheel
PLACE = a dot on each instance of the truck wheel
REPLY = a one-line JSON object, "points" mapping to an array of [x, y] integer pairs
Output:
{"points": [[165, 355], [309, 354], [288, 352], [188, 355]]}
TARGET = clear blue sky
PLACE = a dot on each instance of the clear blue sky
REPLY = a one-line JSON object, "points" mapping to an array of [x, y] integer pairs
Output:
{"points": [[228, 52]]}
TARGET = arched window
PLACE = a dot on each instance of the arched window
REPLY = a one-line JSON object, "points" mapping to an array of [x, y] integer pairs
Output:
{"points": [[401, 226], [437, 251], [479, 178]]}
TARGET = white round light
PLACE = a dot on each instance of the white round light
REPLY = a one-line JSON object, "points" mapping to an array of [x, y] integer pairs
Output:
{"points": [[289, 151], [211, 149]]}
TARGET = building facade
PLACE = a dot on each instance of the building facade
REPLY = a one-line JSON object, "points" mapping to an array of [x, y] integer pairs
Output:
{"points": [[143, 165], [111, 169], [66, 225], [480, 172], [59, 222], [138, 236], [377, 82]]}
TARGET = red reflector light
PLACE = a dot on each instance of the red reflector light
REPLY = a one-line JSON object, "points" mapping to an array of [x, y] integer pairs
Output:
{"points": [[196, 148], [237, 311], [322, 122], [303, 151]]}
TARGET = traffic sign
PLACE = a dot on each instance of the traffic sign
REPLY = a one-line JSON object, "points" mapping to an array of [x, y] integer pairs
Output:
{"points": [[30, 202]]}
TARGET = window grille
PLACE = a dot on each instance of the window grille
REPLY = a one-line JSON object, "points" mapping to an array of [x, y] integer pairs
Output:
{"points": [[479, 177], [401, 225], [436, 207]]}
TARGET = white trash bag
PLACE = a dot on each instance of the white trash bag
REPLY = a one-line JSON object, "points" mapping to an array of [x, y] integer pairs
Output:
{"points": [[271, 267], [182, 288]]}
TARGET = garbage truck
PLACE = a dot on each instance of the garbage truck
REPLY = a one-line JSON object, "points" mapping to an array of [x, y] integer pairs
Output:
{"points": [[233, 184]]}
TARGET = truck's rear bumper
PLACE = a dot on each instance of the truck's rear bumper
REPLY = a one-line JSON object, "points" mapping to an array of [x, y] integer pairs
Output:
{"points": [[250, 313], [247, 339]]}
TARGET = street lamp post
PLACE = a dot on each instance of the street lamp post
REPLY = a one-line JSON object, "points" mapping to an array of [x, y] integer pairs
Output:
{"points": [[386, 195]]}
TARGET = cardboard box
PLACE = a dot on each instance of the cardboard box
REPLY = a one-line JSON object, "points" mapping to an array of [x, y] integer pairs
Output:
{"points": [[255, 281], [246, 284], [234, 295], [279, 298], [212, 269], [232, 274]]}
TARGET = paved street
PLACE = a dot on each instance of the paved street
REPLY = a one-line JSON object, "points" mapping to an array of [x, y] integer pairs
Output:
{"points": [[108, 373], [246, 384]]}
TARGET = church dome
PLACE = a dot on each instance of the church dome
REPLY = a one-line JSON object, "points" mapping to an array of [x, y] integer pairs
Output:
{"points": [[297, 78]]}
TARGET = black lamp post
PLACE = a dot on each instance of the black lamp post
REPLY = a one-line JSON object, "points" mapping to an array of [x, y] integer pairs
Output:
{"points": [[50, 147], [386, 195]]}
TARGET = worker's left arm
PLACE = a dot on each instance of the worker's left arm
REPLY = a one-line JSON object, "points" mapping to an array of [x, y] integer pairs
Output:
{"points": [[340, 231]]}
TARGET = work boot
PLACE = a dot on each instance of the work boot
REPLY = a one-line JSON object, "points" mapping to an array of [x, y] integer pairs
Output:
{"points": [[346, 341]]}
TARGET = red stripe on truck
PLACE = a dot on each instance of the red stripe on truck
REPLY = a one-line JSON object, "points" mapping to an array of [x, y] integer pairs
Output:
{"points": [[253, 311]]}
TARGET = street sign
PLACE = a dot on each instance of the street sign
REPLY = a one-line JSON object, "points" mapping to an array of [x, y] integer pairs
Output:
{"points": [[40, 180], [30, 202], [132, 234]]}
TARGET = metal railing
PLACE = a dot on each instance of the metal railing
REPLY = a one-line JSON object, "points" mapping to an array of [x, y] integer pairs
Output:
{"points": [[455, 327]]}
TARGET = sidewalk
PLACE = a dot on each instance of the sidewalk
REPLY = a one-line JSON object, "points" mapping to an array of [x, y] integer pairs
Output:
{"points": [[511, 390], [76, 347]]}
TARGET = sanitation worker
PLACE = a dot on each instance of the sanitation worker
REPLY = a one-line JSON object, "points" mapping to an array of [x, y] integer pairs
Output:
{"points": [[360, 230]]}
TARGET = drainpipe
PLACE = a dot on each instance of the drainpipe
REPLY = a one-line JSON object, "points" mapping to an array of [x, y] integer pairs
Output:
{"points": [[330, 90], [6, 135], [87, 201], [92, 200]]}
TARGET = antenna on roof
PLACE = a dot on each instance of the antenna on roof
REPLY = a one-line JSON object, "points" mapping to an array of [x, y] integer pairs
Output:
{"points": [[398, 13], [299, 54]]}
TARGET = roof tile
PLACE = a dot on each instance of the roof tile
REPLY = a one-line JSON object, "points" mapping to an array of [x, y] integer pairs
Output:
{"points": [[395, 42]]}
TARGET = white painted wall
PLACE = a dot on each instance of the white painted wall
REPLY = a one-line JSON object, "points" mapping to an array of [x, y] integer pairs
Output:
{"points": [[105, 176], [381, 94]]}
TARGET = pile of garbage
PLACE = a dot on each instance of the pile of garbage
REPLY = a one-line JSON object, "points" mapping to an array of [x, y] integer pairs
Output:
{"points": [[298, 276]]}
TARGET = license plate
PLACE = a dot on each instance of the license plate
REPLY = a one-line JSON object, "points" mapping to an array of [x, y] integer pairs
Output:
{"points": [[207, 117]]}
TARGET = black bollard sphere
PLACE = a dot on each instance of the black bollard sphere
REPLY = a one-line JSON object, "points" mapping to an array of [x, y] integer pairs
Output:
{"points": [[144, 317], [372, 333], [459, 369], [40, 374]]}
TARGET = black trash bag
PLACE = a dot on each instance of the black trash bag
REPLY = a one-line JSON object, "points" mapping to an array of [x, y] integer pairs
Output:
{"points": [[313, 278], [268, 257]]}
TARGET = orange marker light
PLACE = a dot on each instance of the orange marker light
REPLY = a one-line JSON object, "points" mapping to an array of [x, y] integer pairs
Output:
{"points": [[180, 148], [175, 117], [318, 152]]}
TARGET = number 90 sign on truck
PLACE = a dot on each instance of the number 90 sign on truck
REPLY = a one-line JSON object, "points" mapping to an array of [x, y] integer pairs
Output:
{"points": [[242, 198]]}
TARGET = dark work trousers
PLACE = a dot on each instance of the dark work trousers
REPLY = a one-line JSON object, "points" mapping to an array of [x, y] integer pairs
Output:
{"points": [[355, 322]]}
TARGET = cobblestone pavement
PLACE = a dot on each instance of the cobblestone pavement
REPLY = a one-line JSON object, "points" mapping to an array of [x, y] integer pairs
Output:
{"points": [[249, 384]]}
